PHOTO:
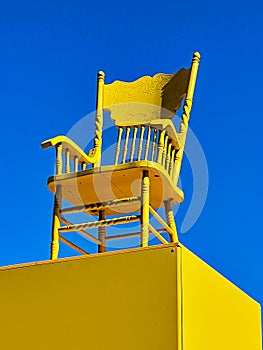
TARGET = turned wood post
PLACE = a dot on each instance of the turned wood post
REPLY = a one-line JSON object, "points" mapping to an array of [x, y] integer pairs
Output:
{"points": [[54, 249], [186, 115], [145, 201], [99, 117], [102, 234], [170, 221]]}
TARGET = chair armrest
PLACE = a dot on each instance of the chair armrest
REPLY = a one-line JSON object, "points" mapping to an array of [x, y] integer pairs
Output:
{"points": [[73, 149]]}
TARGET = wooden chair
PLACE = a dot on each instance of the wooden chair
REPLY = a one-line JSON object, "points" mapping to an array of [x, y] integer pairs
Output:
{"points": [[148, 148]]}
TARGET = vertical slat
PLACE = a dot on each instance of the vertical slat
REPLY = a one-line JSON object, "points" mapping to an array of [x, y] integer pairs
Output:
{"points": [[160, 146], [76, 164], [171, 166], [59, 159], [153, 144], [145, 198], [120, 130], [67, 167], [140, 143], [147, 143], [135, 130], [164, 150], [125, 148], [168, 155], [83, 166]]}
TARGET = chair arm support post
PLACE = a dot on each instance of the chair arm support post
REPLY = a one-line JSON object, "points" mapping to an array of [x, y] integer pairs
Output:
{"points": [[58, 159]]}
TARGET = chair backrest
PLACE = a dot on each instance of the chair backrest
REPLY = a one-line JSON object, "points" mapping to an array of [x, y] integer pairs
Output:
{"points": [[145, 99], [144, 109]]}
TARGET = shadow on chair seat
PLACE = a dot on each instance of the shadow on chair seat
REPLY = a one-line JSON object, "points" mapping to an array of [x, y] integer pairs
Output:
{"points": [[97, 185]]}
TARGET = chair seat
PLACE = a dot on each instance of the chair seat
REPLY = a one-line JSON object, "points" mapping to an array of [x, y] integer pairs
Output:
{"points": [[106, 183]]}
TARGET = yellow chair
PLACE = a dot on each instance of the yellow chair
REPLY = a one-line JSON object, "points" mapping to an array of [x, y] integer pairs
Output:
{"points": [[147, 163]]}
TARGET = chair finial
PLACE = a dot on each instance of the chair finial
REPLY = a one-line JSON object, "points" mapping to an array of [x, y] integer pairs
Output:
{"points": [[101, 75], [196, 57]]}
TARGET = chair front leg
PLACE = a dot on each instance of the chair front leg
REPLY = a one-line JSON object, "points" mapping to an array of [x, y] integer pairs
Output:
{"points": [[54, 249]]}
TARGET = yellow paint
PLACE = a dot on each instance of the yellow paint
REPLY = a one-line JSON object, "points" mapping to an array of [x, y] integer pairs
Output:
{"points": [[117, 181], [72, 147], [161, 221], [103, 302], [216, 314], [186, 114], [59, 159], [102, 234], [56, 224], [153, 96], [157, 234], [99, 118], [170, 220], [179, 298], [145, 198], [139, 108], [161, 297]]}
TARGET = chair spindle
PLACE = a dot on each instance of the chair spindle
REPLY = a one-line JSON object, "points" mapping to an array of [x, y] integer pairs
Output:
{"points": [[125, 148], [164, 150], [67, 165], [171, 166], [141, 142], [160, 147], [153, 144], [147, 145], [168, 155], [135, 130], [120, 130], [76, 164]]}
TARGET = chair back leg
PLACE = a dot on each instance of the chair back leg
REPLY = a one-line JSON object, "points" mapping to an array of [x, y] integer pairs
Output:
{"points": [[170, 221], [102, 234]]}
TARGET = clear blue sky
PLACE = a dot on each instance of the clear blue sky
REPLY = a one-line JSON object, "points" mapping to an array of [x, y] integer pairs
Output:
{"points": [[50, 53]]}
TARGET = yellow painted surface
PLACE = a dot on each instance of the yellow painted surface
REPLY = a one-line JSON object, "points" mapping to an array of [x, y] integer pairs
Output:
{"points": [[216, 314], [105, 302], [125, 300], [161, 96], [147, 141], [120, 181], [73, 149]]}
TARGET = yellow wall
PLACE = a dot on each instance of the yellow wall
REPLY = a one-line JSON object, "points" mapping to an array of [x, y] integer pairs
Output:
{"points": [[113, 301], [124, 300], [216, 314]]}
